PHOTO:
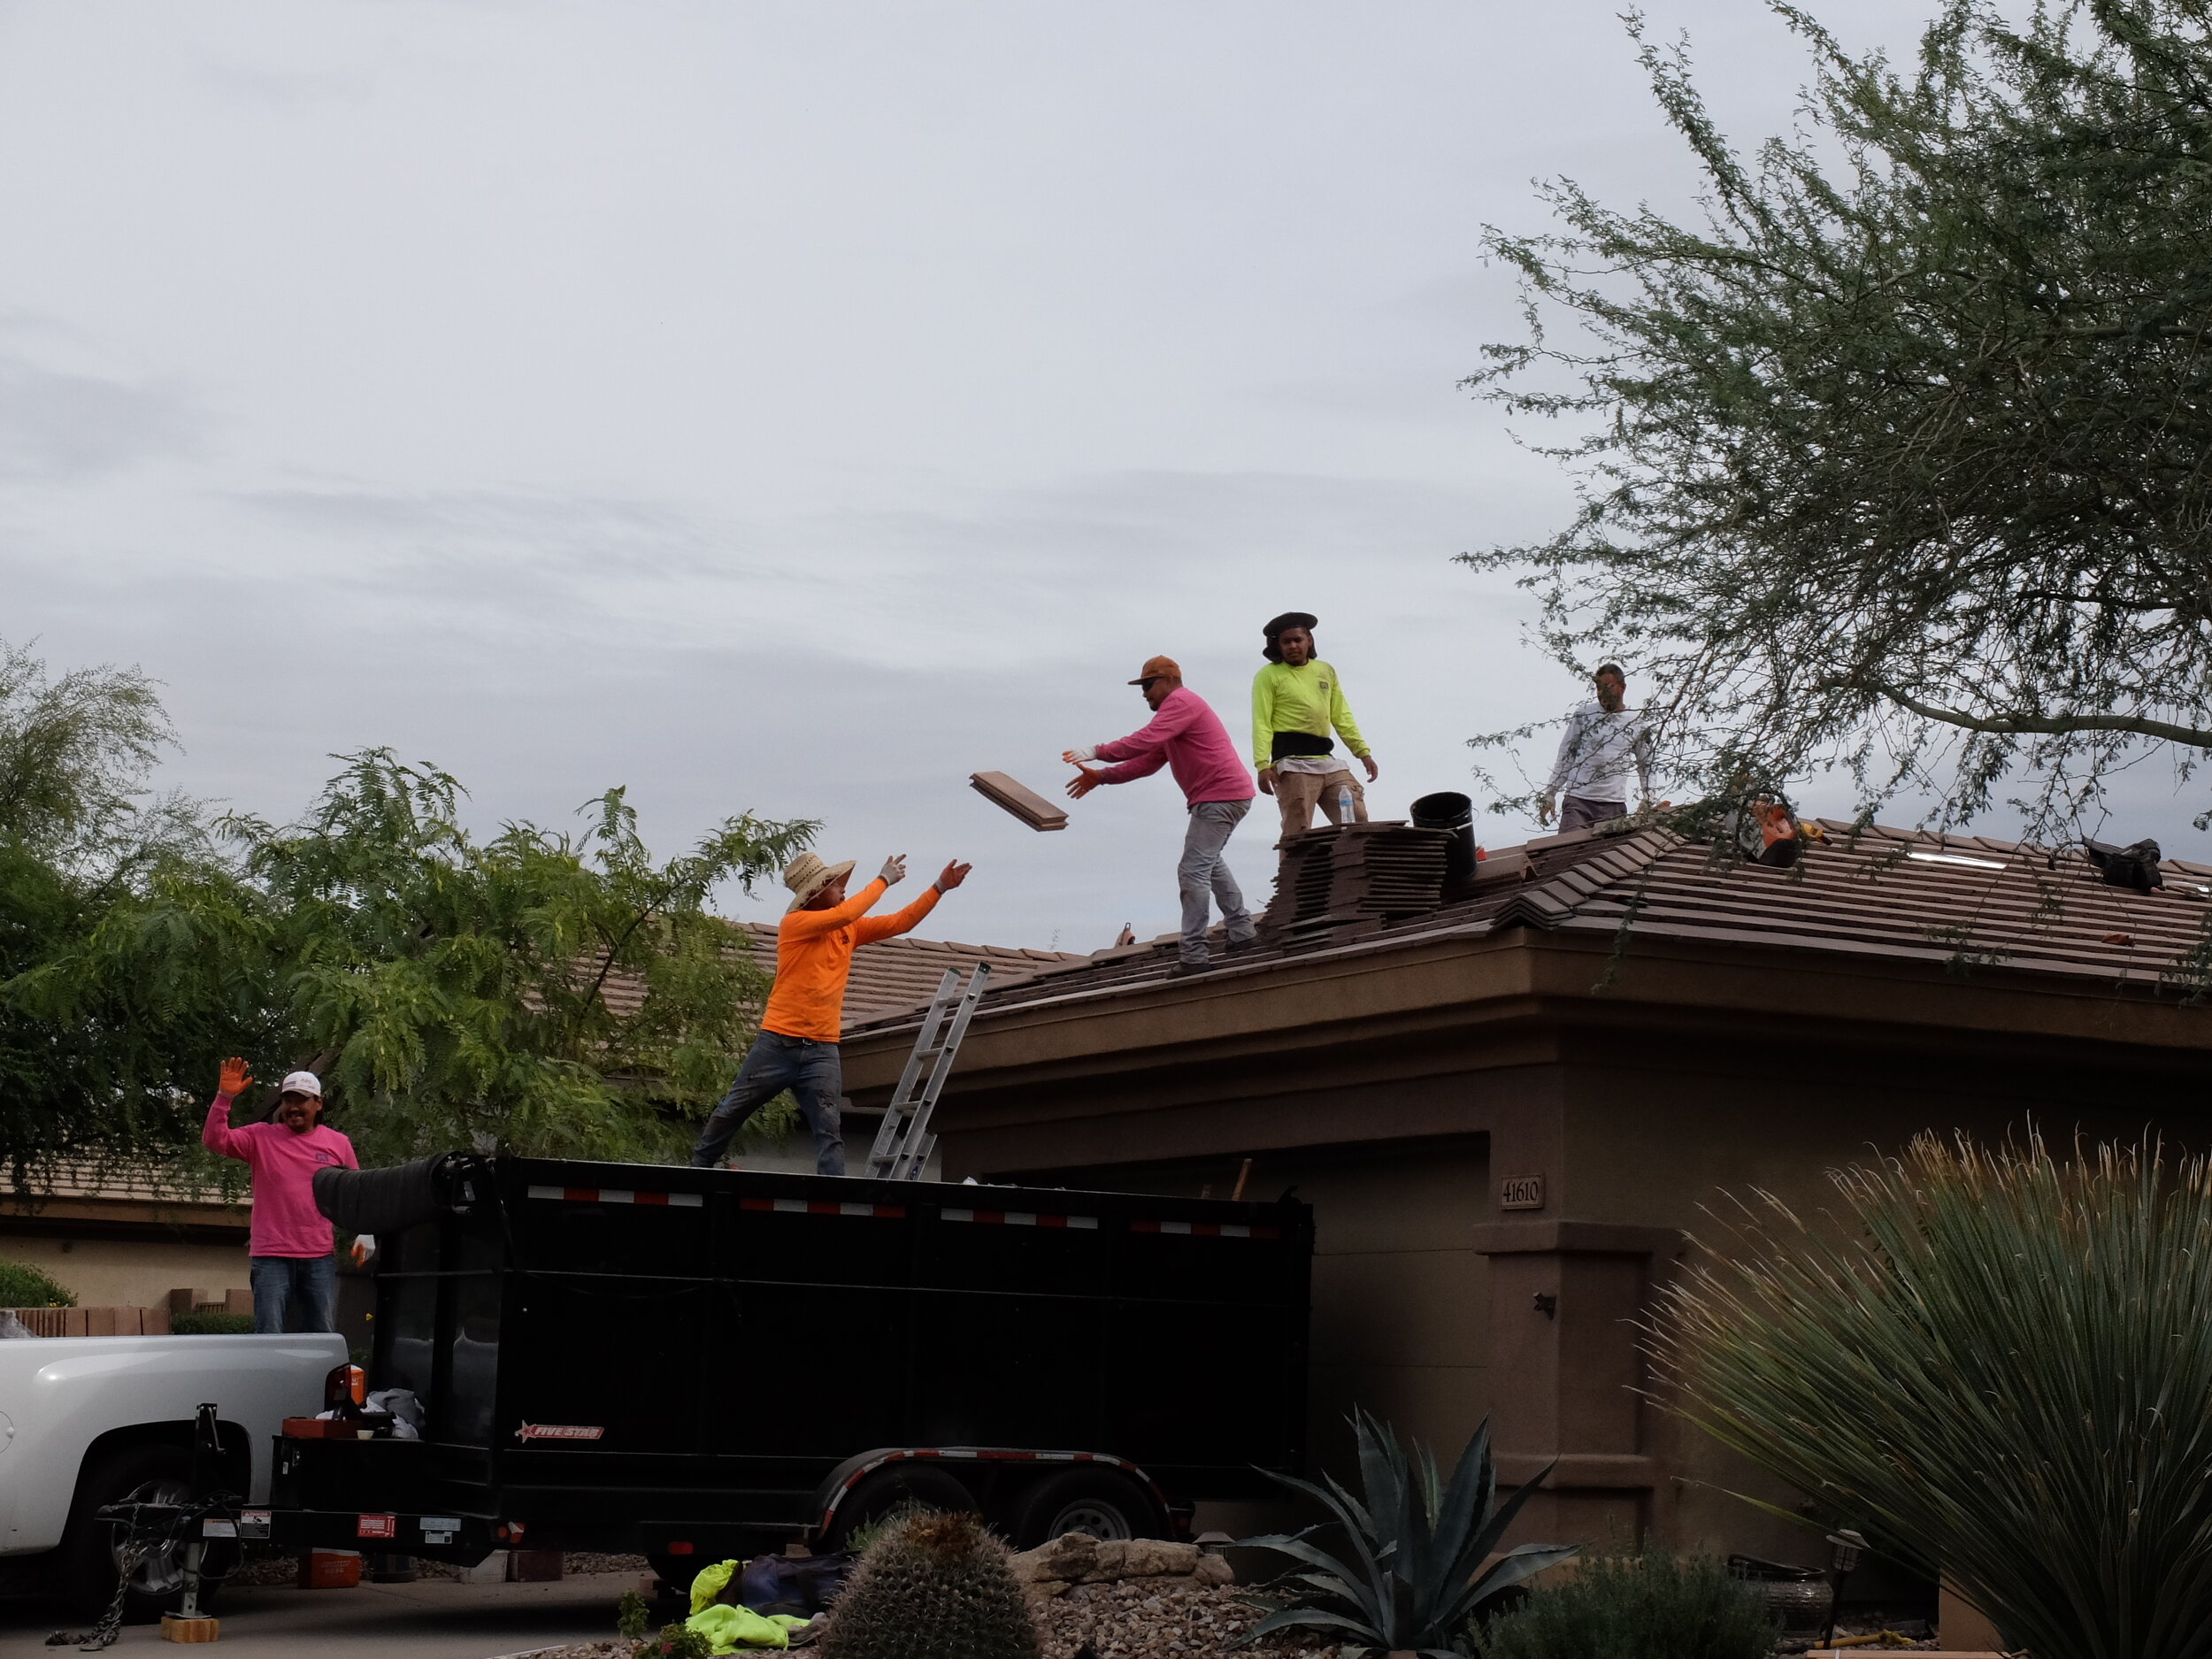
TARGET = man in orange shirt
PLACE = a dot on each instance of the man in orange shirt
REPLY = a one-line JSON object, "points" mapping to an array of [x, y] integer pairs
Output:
{"points": [[796, 1049]]}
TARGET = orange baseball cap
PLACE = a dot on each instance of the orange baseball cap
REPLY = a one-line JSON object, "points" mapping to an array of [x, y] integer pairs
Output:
{"points": [[1158, 668]]}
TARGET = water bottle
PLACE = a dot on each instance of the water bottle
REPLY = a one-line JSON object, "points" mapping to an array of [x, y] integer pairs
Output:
{"points": [[1344, 803]]}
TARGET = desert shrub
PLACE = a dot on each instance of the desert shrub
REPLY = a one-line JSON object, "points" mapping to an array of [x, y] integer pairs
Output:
{"points": [[210, 1324], [632, 1614], [1996, 1359], [23, 1286], [1416, 1572], [1651, 1605], [930, 1586]]}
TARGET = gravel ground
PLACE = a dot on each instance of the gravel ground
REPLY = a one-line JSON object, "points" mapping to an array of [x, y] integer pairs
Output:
{"points": [[1132, 1620], [1137, 1620]]}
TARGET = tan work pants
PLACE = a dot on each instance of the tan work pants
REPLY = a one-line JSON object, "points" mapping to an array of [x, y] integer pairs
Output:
{"points": [[1297, 793]]}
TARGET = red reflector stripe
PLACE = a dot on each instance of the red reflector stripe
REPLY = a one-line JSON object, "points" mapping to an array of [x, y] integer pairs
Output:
{"points": [[1205, 1229], [617, 1195], [1021, 1219], [821, 1207]]}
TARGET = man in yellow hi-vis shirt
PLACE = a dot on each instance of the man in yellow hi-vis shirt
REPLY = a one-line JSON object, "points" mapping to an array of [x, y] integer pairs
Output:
{"points": [[1297, 701]]}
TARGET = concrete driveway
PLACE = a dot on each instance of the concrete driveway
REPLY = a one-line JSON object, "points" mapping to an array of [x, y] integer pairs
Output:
{"points": [[435, 1619]]}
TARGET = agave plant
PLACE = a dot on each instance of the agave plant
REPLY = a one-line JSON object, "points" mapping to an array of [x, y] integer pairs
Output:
{"points": [[2001, 1362], [1412, 1584]]}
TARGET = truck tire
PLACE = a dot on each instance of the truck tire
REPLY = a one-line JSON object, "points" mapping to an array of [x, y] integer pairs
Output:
{"points": [[152, 1473], [1096, 1502], [898, 1485]]}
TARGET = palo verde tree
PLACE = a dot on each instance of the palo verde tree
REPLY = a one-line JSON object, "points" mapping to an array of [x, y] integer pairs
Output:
{"points": [[1900, 460]]}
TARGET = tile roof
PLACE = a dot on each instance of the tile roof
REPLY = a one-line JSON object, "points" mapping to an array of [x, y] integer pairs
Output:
{"points": [[110, 1181], [1901, 895], [895, 975], [891, 976]]}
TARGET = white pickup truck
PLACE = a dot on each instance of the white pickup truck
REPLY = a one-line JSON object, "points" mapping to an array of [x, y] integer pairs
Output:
{"points": [[88, 1420]]}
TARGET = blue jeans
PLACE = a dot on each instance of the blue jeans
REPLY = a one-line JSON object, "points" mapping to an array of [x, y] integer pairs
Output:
{"points": [[306, 1286], [811, 1071], [1204, 873]]}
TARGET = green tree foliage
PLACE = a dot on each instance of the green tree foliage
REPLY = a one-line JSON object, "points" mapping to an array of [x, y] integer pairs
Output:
{"points": [[558, 994], [23, 1286], [454, 992], [1898, 460], [89, 1056], [1998, 1362]]}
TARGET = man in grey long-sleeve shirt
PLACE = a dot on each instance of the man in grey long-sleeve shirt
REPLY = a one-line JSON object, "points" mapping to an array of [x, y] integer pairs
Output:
{"points": [[1604, 740]]}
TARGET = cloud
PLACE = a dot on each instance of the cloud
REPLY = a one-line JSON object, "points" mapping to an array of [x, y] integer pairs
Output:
{"points": [[1017, 573], [57, 425]]}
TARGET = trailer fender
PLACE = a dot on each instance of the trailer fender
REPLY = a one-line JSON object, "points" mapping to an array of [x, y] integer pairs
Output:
{"points": [[842, 1480]]}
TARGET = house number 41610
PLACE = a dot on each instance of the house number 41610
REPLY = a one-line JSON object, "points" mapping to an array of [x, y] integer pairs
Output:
{"points": [[1521, 1192]]}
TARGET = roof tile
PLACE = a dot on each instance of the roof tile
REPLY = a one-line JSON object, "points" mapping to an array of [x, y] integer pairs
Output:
{"points": [[1862, 893]]}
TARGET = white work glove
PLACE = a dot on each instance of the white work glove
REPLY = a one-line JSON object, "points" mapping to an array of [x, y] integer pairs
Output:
{"points": [[1077, 757], [363, 1249], [894, 871]]}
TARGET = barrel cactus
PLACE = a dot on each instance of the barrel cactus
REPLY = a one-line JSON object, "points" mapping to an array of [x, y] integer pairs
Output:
{"points": [[932, 1585]]}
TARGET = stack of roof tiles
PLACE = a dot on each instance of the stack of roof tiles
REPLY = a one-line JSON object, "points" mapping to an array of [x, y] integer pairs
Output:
{"points": [[1334, 878]]}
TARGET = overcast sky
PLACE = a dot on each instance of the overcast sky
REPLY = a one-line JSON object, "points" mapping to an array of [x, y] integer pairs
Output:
{"points": [[796, 407]]}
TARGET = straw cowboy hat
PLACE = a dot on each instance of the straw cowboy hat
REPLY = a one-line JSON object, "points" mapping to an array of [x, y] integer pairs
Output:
{"points": [[807, 875]]}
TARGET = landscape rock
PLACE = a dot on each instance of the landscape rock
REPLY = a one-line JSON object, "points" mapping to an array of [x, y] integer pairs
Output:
{"points": [[1074, 1558], [1143, 1558]]}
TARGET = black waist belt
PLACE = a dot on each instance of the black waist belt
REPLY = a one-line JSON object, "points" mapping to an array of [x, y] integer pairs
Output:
{"points": [[1298, 744]]}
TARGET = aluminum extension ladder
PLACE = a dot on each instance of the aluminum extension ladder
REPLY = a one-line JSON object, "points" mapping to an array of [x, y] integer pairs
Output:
{"points": [[903, 1143]]}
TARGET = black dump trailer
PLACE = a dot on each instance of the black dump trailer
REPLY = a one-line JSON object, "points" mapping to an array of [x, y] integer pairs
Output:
{"points": [[701, 1363]]}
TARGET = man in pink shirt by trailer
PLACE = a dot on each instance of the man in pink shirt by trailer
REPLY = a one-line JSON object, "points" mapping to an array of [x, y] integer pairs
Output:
{"points": [[1188, 738], [289, 1251]]}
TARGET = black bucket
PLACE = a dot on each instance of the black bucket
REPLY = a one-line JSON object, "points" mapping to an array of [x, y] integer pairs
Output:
{"points": [[1448, 810]]}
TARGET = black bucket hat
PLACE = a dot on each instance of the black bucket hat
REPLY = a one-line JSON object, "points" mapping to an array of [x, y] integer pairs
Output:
{"points": [[1273, 631]]}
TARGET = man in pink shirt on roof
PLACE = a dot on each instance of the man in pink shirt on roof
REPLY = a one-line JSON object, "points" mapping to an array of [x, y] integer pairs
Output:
{"points": [[1186, 737], [290, 1250]]}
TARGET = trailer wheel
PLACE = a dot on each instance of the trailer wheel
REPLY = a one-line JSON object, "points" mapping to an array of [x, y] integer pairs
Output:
{"points": [[153, 1474], [902, 1485], [1096, 1503]]}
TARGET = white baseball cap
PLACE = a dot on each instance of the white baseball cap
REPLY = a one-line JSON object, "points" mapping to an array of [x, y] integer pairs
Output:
{"points": [[303, 1083]]}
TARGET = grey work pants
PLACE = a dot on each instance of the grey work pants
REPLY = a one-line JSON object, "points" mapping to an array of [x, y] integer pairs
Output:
{"points": [[1203, 875], [1581, 811]]}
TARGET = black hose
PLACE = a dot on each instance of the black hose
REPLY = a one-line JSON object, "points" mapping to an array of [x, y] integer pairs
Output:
{"points": [[393, 1200]]}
